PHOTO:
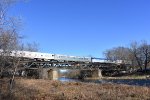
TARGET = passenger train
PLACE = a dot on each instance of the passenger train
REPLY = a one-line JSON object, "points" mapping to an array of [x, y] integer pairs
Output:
{"points": [[48, 57]]}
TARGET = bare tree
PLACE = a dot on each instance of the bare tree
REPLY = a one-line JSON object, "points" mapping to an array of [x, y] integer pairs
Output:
{"points": [[10, 47], [33, 47], [144, 49], [135, 55], [4, 6], [9, 40], [118, 53], [138, 54], [141, 54]]}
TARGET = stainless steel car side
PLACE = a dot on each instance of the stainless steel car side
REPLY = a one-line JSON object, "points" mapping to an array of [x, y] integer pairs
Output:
{"points": [[48, 56]]}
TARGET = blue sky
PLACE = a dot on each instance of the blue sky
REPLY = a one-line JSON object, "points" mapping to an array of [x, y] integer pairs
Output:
{"points": [[83, 27]]}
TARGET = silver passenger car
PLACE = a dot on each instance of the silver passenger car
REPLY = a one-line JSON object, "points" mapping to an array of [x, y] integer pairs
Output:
{"points": [[72, 58]]}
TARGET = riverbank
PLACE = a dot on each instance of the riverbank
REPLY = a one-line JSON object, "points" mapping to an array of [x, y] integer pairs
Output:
{"points": [[129, 77], [121, 77], [38, 89]]}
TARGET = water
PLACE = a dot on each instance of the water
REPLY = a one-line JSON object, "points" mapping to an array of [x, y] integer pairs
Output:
{"points": [[137, 82], [64, 79]]}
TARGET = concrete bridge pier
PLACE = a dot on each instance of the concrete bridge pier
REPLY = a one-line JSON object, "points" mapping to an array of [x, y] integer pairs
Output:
{"points": [[94, 73], [47, 73], [53, 74], [97, 73]]}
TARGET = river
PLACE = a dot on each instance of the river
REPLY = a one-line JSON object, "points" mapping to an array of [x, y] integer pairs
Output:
{"points": [[137, 82]]}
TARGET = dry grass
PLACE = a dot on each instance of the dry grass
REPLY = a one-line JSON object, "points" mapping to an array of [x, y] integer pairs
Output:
{"points": [[32, 89]]}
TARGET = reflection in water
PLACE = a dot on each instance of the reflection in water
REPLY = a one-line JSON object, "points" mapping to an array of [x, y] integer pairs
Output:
{"points": [[64, 79], [138, 82], [63, 70]]}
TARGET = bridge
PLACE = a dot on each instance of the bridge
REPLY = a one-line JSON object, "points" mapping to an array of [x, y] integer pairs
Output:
{"points": [[47, 64], [49, 69]]}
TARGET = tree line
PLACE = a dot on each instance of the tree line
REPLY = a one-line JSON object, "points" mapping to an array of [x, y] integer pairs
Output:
{"points": [[137, 54]]}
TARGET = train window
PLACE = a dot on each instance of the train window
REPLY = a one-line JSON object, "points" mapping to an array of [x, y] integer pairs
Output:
{"points": [[52, 55]]}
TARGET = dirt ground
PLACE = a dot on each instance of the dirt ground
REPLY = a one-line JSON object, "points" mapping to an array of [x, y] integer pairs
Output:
{"points": [[38, 89]]}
